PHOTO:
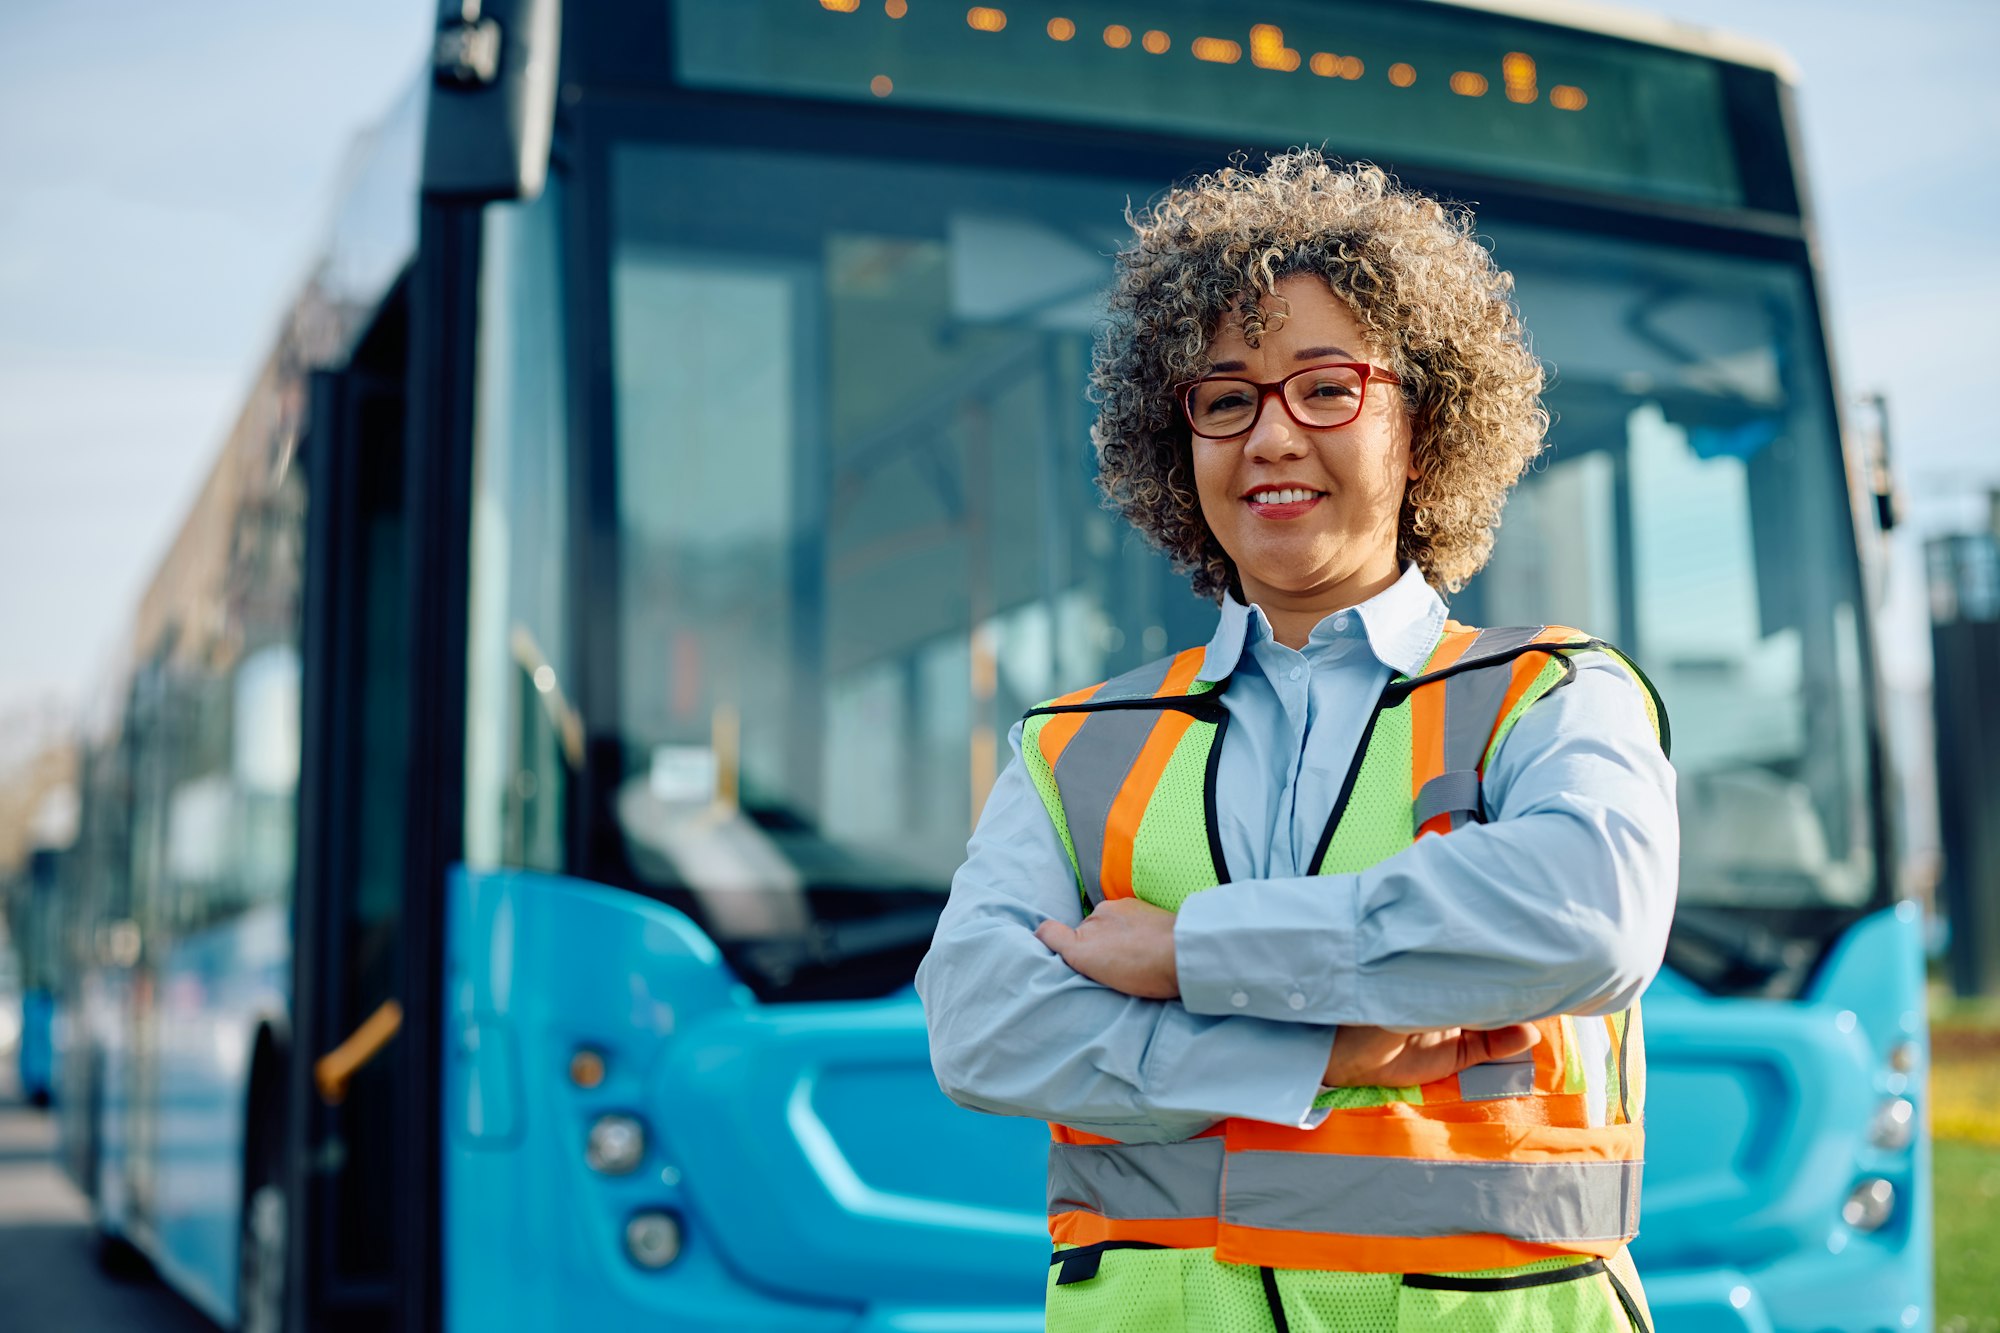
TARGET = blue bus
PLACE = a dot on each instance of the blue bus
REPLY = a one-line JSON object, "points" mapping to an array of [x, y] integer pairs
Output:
{"points": [[537, 766]]}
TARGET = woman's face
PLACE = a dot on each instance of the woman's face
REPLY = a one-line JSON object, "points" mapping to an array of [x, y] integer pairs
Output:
{"points": [[1337, 545]]}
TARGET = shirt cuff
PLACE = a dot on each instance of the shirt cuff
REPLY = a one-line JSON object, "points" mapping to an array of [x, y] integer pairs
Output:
{"points": [[1282, 949], [1269, 1072]]}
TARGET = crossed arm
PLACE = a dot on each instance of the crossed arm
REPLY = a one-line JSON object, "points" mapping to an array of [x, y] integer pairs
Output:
{"points": [[1128, 945], [1140, 1025]]}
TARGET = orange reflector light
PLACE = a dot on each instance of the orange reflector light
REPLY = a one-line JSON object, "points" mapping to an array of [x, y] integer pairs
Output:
{"points": [[1350, 67], [895, 9], [881, 86], [1118, 37], [1517, 69], [586, 1068], [1402, 75], [1156, 41], [840, 6], [1467, 84], [985, 18], [1325, 64], [1061, 29], [1216, 50], [1565, 98]]}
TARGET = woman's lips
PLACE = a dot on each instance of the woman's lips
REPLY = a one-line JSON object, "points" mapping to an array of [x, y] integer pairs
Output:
{"points": [[1263, 508]]}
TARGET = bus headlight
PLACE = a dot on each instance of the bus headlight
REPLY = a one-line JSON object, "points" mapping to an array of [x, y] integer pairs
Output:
{"points": [[616, 1144], [1893, 1124], [1869, 1206], [652, 1239]]}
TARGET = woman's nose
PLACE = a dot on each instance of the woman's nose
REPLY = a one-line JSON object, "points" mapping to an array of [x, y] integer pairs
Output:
{"points": [[1274, 435]]}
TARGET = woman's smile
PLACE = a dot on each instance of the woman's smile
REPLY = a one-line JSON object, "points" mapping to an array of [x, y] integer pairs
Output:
{"points": [[1279, 503]]}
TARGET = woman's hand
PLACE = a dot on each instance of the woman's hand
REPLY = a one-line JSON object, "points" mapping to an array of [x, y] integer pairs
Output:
{"points": [[1125, 944], [1376, 1057]]}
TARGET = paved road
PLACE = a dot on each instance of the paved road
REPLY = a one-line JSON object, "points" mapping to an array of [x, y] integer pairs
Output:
{"points": [[49, 1278]]}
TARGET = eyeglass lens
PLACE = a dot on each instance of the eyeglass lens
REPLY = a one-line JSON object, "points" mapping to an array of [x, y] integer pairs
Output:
{"points": [[1320, 396]]}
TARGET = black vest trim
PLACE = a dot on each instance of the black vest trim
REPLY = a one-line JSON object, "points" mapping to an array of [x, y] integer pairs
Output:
{"points": [[1382, 704]]}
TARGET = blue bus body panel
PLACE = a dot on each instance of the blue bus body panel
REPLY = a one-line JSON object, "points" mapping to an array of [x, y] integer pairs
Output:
{"points": [[37, 1054], [212, 991], [823, 1182], [1757, 1117], [821, 1179]]}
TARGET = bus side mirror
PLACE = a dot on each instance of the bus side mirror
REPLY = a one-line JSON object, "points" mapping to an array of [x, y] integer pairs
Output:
{"points": [[492, 99]]}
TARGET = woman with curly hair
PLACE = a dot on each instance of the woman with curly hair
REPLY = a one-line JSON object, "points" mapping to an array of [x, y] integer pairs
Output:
{"points": [[1319, 945]]}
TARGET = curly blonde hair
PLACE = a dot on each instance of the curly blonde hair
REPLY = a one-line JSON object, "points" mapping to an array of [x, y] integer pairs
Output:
{"points": [[1418, 280]]}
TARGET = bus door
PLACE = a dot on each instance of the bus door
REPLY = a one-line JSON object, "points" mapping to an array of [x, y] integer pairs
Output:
{"points": [[348, 1204]]}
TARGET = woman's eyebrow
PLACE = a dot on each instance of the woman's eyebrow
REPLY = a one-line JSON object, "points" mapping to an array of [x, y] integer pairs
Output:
{"points": [[1309, 354]]}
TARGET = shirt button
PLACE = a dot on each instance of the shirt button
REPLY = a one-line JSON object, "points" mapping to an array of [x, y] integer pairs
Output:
{"points": [[1297, 1002], [1239, 999], [1296, 672], [1340, 623]]}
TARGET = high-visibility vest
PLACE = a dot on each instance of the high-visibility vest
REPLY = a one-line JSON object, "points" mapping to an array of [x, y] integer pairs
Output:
{"points": [[1504, 1163]]}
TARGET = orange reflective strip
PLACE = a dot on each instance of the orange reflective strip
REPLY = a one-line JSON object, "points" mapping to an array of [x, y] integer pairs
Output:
{"points": [[1451, 646], [1391, 1254], [1181, 674], [1427, 749], [1121, 827], [1077, 696], [1551, 1055], [1427, 722], [1181, 1233], [1403, 1130], [1057, 733]]}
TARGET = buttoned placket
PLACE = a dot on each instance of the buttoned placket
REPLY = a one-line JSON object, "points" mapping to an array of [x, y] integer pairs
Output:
{"points": [[1298, 680]]}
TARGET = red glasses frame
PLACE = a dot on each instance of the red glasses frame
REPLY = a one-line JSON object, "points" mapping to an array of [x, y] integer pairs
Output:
{"points": [[1363, 371]]}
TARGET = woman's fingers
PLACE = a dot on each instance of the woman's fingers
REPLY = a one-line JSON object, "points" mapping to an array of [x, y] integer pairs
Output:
{"points": [[1055, 935], [1499, 1043], [1368, 1056]]}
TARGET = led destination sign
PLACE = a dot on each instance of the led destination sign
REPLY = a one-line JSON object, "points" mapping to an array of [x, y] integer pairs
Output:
{"points": [[1402, 83]]}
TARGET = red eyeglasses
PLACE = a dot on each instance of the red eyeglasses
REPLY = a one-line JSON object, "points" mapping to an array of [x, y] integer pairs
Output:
{"points": [[1318, 397]]}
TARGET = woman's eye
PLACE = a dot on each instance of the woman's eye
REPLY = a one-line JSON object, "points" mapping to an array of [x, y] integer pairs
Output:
{"points": [[1330, 389], [1231, 401]]}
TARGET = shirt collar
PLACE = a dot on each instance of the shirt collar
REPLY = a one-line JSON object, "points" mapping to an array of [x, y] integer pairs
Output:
{"points": [[1402, 623]]}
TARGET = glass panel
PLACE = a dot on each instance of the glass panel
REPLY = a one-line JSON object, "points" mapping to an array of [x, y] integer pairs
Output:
{"points": [[521, 735], [1693, 511], [858, 536], [857, 531]]}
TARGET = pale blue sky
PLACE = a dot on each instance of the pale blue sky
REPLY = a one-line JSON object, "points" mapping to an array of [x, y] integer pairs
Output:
{"points": [[165, 171]]}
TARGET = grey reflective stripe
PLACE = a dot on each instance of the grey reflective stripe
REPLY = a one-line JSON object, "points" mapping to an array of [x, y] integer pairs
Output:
{"points": [[1493, 642], [1142, 682], [1541, 1202], [1136, 1180], [1472, 702], [1497, 1078], [1092, 768], [1456, 792]]}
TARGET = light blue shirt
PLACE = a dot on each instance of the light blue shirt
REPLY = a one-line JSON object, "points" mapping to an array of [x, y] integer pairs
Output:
{"points": [[1559, 904]]}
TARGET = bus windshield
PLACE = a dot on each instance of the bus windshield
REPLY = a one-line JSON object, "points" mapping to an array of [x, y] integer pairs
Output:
{"points": [[858, 535]]}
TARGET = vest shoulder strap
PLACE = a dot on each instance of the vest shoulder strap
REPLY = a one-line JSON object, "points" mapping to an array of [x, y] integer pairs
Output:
{"points": [[1464, 648], [1451, 718]]}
